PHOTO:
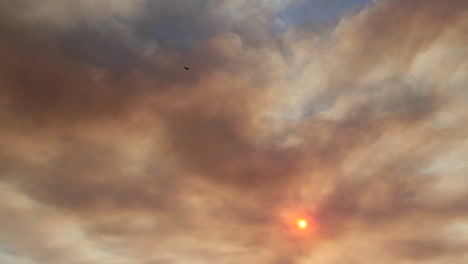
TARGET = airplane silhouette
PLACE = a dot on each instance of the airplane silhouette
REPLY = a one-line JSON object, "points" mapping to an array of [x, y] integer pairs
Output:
{"points": [[187, 68]]}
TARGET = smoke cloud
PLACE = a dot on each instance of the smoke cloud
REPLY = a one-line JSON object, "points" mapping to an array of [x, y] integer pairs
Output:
{"points": [[111, 152]]}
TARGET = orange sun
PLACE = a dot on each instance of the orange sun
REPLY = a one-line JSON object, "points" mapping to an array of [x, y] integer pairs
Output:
{"points": [[302, 223]]}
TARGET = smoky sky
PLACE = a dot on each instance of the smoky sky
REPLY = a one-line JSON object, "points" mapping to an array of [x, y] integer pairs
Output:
{"points": [[350, 114]]}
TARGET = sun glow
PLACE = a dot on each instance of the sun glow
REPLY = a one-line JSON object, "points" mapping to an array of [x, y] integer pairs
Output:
{"points": [[302, 224]]}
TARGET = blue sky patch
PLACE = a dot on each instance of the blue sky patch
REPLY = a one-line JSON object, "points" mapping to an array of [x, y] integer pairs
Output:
{"points": [[321, 11]]}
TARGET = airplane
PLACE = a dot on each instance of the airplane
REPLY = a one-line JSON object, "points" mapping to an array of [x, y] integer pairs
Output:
{"points": [[187, 68]]}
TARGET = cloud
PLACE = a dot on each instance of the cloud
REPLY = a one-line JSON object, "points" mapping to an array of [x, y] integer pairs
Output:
{"points": [[111, 152]]}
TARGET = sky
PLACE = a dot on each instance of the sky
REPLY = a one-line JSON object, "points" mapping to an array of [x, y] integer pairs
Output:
{"points": [[348, 115]]}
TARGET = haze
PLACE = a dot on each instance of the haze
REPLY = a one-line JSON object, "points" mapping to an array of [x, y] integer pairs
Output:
{"points": [[351, 115]]}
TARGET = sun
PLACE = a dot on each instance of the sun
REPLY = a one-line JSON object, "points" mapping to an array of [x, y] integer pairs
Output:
{"points": [[302, 223]]}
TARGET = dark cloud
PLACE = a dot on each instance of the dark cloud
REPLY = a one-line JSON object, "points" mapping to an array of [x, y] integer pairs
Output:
{"points": [[101, 48], [178, 25], [219, 146]]}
